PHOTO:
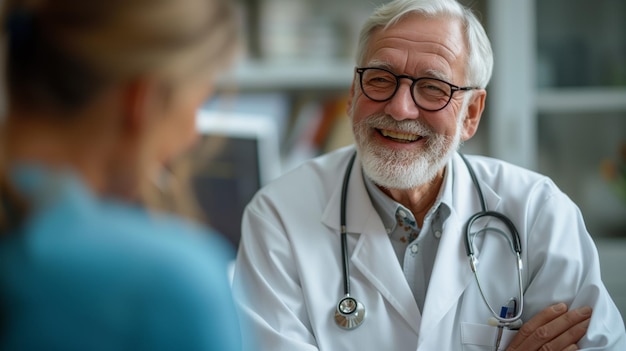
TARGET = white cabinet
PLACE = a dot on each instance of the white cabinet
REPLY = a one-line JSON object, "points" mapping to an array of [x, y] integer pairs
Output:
{"points": [[558, 98]]}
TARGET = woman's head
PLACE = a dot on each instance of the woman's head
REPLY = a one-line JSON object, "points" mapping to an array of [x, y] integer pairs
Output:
{"points": [[63, 52], [126, 74]]}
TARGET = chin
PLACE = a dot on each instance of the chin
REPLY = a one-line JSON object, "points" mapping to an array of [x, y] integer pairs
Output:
{"points": [[388, 173], [393, 169]]}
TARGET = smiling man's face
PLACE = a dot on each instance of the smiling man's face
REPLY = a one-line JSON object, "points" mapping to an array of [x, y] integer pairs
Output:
{"points": [[400, 145]]}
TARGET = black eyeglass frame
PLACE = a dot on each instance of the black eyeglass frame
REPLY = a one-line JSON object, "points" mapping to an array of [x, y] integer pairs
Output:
{"points": [[453, 88]]}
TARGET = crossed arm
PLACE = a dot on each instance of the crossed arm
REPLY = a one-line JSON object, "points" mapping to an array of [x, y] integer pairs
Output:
{"points": [[554, 328]]}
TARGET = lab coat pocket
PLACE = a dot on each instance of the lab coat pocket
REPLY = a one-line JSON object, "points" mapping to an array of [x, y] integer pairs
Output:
{"points": [[479, 337]]}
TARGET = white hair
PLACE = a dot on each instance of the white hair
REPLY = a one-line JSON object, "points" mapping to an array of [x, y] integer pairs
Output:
{"points": [[480, 55]]}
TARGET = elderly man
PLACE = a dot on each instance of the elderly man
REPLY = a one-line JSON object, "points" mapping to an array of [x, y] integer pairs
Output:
{"points": [[419, 248]]}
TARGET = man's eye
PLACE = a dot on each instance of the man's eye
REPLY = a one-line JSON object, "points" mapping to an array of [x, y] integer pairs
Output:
{"points": [[380, 80], [429, 88]]}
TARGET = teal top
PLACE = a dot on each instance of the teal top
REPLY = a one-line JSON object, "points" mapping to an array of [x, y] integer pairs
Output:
{"points": [[83, 273]]}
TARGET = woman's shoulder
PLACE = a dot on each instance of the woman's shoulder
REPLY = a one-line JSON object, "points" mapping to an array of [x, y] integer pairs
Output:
{"points": [[120, 267], [126, 244], [152, 237], [74, 231]]}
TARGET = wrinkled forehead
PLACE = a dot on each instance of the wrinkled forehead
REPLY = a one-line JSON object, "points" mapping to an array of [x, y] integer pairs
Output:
{"points": [[418, 42]]}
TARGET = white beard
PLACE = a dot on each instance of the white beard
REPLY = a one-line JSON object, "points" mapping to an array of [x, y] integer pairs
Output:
{"points": [[393, 169]]}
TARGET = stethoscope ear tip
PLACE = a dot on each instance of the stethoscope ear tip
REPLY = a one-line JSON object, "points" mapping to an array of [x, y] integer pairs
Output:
{"points": [[492, 321]]}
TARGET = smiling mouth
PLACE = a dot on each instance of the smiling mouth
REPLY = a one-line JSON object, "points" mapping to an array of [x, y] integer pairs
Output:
{"points": [[400, 137]]}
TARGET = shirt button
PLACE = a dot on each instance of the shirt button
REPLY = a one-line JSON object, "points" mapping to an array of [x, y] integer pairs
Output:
{"points": [[438, 234], [414, 248], [388, 230], [402, 214]]}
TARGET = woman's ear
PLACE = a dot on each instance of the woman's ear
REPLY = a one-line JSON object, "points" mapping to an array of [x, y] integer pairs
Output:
{"points": [[144, 100], [474, 112], [135, 106], [126, 160]]}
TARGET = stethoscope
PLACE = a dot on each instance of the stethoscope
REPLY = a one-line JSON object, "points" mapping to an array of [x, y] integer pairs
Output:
{"points": [[350, 313]]}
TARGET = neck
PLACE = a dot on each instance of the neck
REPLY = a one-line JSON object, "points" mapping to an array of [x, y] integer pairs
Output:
{"points": [[420, 199], [98, 141], [56, 143]]}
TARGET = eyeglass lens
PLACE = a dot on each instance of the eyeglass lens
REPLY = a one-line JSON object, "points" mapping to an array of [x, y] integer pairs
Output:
{"points": [[381, 85]]}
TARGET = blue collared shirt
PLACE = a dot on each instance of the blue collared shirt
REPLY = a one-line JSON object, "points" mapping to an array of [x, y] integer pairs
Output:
{"points": [[415, 248]]}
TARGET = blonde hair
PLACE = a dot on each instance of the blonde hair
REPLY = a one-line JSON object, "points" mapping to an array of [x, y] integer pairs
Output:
{"points": [[62, 53]]}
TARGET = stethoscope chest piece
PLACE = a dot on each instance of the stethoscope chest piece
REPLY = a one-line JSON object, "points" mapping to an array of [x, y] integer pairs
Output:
{"points": [[349, 313]]}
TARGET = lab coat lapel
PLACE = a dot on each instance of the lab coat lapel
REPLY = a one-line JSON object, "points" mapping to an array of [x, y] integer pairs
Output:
{"points": [[372, 255], [451, 272], [451, 275]]}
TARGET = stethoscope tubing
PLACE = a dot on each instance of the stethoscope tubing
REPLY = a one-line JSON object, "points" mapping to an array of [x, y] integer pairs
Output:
{"points": [[343, 229], [469, 248], [516, 246]]}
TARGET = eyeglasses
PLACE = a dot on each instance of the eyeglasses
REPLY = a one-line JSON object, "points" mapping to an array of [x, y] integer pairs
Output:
{"points": [[429, 94]]}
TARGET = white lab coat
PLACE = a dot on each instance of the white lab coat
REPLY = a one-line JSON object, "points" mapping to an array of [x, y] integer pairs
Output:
{"points": [[288, 274]]}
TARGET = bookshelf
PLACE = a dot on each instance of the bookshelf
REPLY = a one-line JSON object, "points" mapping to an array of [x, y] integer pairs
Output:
{"points": [[556, 102], [292, 75]]}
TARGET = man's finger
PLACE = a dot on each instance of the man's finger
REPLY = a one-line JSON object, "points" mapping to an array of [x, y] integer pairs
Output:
{"points": [[552, 325], [570, 337], [547, 315]]}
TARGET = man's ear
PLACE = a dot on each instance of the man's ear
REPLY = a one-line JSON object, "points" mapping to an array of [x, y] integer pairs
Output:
{"points": [[474, 112]]}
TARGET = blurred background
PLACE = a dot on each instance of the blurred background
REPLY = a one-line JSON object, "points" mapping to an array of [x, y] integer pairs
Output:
{"points": [[556, 103]]}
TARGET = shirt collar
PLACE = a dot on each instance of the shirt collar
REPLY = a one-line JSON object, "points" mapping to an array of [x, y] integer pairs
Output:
{"points": [[386, 207], [43, 187]]}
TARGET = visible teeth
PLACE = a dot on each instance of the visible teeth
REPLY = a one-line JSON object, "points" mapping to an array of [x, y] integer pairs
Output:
{"points": [[401, 136]]}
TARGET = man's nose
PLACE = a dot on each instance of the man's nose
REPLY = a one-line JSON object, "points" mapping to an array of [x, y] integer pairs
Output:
{"points": [[401, 106]]}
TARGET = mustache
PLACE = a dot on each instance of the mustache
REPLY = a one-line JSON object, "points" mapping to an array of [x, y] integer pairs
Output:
{"points": [[384, 121]]}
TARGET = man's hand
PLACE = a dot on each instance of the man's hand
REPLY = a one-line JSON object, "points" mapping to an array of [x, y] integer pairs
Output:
{"points": [[555, 327]]}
